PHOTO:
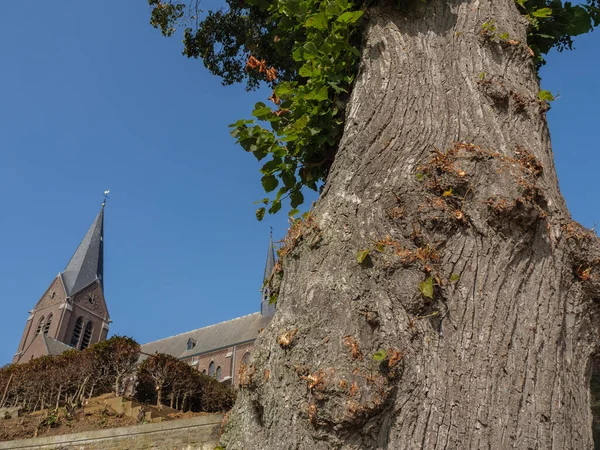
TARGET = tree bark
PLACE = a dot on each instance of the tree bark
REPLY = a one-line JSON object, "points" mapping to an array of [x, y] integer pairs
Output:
{"points": [[117, 385], [159, 397], [445, 170]]}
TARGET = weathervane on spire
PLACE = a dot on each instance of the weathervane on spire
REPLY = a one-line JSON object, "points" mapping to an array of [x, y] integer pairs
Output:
{"points": [[105, 197]]}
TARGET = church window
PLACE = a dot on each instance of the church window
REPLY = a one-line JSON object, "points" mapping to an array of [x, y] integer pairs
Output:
{"points": [[204, 372], [211, 369], [218, 374], [190, 344], [40, 325], [246, 358], [87, 336], [77, 332], [48, 323]]}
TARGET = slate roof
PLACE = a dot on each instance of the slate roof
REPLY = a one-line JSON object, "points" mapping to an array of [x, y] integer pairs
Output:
{"points": [[266, 308], [210, 338], [87, 263], [54, 347], [270, 259]]}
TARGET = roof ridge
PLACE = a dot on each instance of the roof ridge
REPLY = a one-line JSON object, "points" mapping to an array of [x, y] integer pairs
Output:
{"points": [[44, 337], [202, 328]]}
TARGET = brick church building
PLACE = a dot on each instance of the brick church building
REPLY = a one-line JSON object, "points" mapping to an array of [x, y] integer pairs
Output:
{"points": [[72, 314]]}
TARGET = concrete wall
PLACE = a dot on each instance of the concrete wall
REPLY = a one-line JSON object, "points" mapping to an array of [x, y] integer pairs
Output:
{"points": [[197, 433]]}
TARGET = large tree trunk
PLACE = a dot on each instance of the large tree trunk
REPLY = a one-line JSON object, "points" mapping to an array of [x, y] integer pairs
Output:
{"points": [[500, 357]]}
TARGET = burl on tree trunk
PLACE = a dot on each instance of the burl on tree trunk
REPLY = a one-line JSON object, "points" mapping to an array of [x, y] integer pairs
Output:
{"points": [[474, 280]]}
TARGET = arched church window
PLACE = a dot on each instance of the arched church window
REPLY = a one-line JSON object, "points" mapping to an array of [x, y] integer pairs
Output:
{"points": [[218, 374], [211, 369], [87, 336], [246, 358], [48, 323], [40, 325], [204, 372], [77, 332]]}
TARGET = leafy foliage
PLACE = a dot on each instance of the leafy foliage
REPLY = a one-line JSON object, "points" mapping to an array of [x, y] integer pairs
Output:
{"points": [[306, 123], [308, 52], [554, 23]]}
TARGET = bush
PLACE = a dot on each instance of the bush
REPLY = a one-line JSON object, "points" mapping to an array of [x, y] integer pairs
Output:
{"points": [[53, 381], [70, 378], [163, 379]]}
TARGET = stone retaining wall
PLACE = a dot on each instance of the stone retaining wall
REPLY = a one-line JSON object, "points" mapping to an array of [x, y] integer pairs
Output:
{"points": [[197, 433]]}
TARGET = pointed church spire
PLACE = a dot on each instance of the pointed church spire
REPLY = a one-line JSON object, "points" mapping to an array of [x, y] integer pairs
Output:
{"points": [[266, 307], [87, 263], [270, 258]]}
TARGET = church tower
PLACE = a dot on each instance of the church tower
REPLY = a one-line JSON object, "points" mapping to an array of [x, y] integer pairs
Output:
{"points": [[72, 313], [267, 308]]}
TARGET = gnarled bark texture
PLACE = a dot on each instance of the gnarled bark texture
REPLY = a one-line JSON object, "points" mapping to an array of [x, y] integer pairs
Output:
{"points": [[445, 170]]}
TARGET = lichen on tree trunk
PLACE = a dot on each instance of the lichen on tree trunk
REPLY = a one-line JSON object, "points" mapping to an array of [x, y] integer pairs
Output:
{"points": [[445, 175]]}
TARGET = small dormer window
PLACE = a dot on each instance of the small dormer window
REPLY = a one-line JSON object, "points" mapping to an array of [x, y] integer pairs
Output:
{"points": [[190, 344]]}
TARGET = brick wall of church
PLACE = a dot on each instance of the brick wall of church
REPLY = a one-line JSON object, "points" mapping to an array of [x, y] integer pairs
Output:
{"points": [[34, 349], [48, 305], [222, 358], [89, 312]]}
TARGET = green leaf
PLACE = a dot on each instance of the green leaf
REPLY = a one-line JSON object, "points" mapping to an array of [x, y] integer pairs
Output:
{"points": [[318, 94], [580, 20], [260, 213], [362, 255], [269, 183], [426, 287], [262, 112], [293, 212], [288, 178], [241, 123], [310, 50], [275, 206], [542, 13], [350, 17], [271, 166], [380, 355], [454, 277], [296, 198], [318, 21], [546, 95]]}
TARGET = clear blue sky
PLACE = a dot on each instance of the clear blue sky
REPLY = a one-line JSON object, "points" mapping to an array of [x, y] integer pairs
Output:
{"points": [[93, 98]]}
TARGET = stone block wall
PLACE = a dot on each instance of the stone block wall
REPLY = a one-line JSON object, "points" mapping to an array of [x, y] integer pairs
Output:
{"points": [[197, 433]]}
